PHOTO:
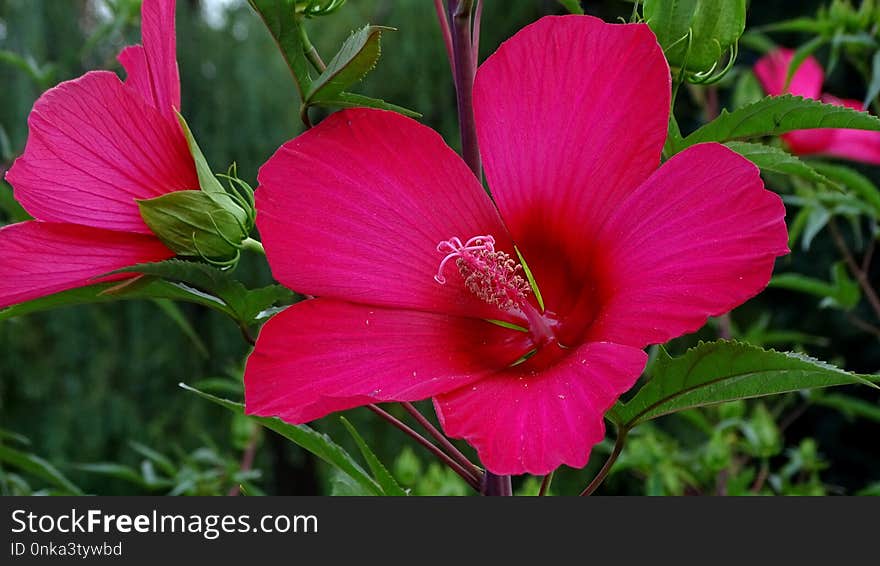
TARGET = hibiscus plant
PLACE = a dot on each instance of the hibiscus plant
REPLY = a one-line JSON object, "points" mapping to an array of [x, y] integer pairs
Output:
{"points": [[507, 305]]}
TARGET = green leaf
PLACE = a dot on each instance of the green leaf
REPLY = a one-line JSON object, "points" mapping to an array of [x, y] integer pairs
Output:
{"points": [[800, 55], [850, 406], [283, 23], [351, 100], [173, 312], [842, 292], [307, 438], [747, 90], [573, 6], [717, 372], [143, 288], [357, 57], [769, 158], [160, 460], [852, 180], [242, 304], [37, 467], [117, 471], [197, 223], [207, 181], [695, 34], [874, 85], [775, 115], [380, 472]]}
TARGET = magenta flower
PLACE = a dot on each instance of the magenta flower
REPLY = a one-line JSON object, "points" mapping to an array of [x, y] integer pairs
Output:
{"points": [[856, 145], [96, 145], [422, 293]]}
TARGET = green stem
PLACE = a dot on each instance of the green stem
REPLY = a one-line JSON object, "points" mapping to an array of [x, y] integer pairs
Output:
{"points": [[251, 245], [310, 51]]}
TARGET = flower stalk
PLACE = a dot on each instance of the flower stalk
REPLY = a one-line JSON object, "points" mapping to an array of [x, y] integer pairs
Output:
{"points": [[464, 70]]}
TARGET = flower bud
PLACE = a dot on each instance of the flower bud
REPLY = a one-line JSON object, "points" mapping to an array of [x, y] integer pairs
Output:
{"points": [[199, 223], [695, 34]]}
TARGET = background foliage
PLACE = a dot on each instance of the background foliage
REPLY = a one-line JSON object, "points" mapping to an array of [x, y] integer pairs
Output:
{"points": [[94, 390]]}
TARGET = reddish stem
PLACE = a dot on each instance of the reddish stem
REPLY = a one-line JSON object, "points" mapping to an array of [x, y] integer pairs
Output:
{"points": [[445, 31], [461, 18], [455, 466]]}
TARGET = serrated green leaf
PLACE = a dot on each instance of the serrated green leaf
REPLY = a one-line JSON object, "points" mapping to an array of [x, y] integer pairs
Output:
{"points": [[713, 26], [38, 467], [283, 23], [380, 472], [351, 100], [775, 115], [573, 6], [243, 305], [769, 158], [197, 223], [307, 438], [144, 288], [357, 57], [717, 372]]}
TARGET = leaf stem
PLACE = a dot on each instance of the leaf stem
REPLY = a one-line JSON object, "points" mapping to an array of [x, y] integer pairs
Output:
{"points": [[445, 458], [606, 467], [311, 53], [442, 440]]}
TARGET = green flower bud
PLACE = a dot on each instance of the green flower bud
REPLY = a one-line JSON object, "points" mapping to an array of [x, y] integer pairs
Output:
{"points": [[198, 223], [696, 34]]}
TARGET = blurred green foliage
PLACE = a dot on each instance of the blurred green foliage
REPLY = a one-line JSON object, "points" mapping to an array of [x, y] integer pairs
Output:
{"points": [[94, 389]]}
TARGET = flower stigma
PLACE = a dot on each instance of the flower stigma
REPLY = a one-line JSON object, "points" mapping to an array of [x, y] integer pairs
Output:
{"points": [[496, 278]]}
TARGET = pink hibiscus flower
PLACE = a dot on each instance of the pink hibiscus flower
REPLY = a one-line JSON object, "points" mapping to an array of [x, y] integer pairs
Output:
{"points": [[96, 145], [856, 145], [421, 292]]}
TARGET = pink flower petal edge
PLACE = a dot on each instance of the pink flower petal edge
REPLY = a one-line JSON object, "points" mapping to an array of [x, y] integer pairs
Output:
{"points": [[324, 355], [41, 258], [697, 239], [533, 423]]}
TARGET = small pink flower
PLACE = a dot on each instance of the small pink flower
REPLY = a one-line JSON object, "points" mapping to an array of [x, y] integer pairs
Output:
{"points": [[96, 145], [856, 145], [418, 278]]}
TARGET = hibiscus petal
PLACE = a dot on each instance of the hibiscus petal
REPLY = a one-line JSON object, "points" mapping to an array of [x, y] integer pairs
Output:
{"points": [[323, 355], [572, 115], [41, 258], [697, 239], [355, 207], [772, 69], [152, 68], [94, 148], [535, 423]]}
